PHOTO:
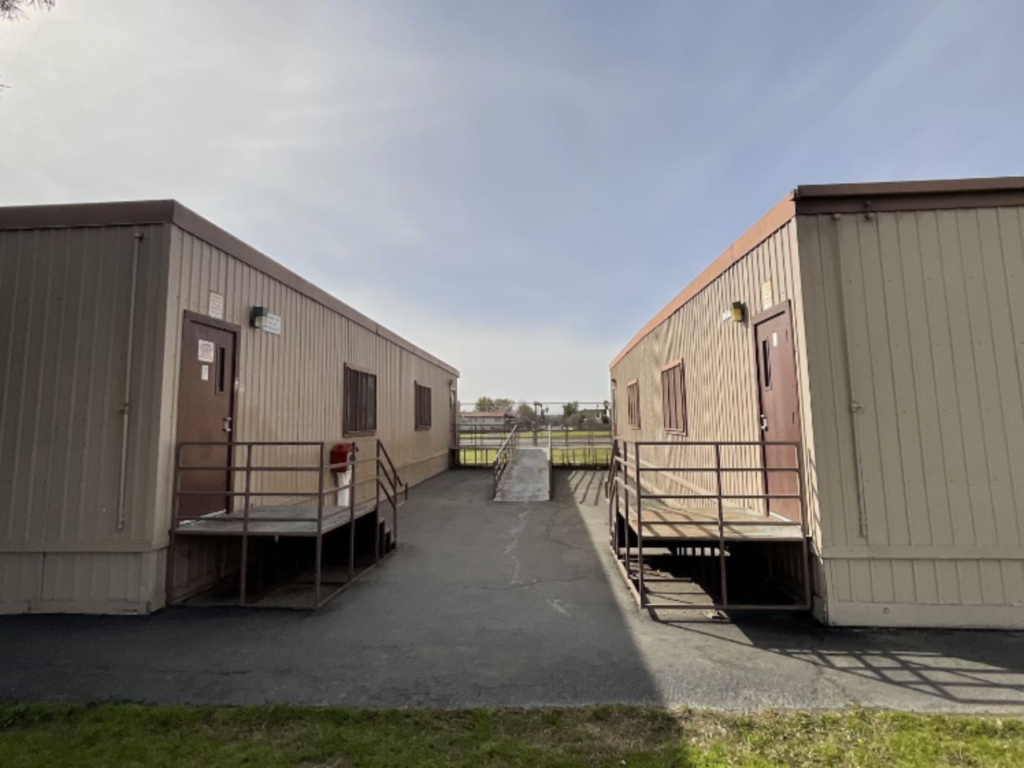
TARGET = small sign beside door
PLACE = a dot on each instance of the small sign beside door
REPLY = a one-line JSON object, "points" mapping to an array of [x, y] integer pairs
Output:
{"points": [[205, 375], [216, 305], [207, 351], [272, 323], [767, 300]]}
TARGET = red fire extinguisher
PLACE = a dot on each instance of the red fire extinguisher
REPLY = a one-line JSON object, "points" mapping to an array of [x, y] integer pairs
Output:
{"points": [[342, 461]]}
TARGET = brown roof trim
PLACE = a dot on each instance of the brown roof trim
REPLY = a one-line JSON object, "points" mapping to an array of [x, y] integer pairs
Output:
{"points": [[62, 216], [139, 212], [931, 186], [939, 194], [776, 218]]}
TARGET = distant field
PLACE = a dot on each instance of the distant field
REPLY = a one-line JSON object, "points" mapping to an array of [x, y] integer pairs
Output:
{"points": [[555, 434], [469, 457], [580, 455]]}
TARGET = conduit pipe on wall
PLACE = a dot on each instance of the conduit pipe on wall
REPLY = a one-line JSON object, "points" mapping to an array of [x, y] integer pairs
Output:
{"points": [[126, 407]]}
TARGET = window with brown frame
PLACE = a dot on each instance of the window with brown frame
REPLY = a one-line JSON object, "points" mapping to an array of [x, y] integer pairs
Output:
{"points": [[422, 407], [360, 413], [673, 397], [633, 403]]}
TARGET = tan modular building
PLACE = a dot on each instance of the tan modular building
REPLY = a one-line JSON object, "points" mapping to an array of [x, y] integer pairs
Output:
{"points": [[878, 327], [128, 328]]}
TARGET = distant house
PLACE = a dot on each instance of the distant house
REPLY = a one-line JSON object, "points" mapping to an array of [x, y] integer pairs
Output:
{"points": [[488, 419]]}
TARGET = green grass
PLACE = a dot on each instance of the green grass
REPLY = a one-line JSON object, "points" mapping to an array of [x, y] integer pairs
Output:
{"points": [[541, 434], [469, 457], [127, 735], [579, 455]]}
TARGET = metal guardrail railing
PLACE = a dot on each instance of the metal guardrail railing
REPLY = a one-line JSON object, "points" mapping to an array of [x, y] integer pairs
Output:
{"points": [[477, 446], [385, 479], [625, 481], [504, 455]]}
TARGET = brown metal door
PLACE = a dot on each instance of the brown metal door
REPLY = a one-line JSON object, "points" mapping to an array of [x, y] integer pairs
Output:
{"points": [[780, 411], [206, 408], [615, 409]]}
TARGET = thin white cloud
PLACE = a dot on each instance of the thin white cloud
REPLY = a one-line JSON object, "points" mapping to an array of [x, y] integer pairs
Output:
{"points": [[496, 358], [515, 187]]}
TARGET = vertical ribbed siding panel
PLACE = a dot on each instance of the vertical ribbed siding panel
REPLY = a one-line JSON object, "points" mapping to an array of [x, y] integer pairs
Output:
{"points": [[21, 581], [65, 297], [721, 384], [62, 387], [922, 332]]}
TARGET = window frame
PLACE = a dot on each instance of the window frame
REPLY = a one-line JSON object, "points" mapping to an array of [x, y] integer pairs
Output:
{"points": [[633, 404], [351, 408], [423, 405], [677, 408]]}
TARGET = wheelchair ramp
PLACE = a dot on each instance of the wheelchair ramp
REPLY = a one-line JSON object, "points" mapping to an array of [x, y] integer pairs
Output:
{"points": [[527, 477]]}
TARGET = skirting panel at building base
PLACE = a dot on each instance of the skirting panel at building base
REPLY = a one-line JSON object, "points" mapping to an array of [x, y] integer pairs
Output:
{"points": [[924, 616], [81, 582], [107, 608]]}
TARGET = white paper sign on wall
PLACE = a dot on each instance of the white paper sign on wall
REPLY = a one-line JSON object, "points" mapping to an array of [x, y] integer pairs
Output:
{"points": [[216, 305], [207, 351], [205, 375], [272, 324]]}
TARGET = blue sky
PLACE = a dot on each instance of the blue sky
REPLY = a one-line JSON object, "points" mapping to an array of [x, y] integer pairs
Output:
{"points": [[517, 187]]}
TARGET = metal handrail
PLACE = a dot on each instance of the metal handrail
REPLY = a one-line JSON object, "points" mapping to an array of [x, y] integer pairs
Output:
{"points": [[397, 486], [504, 455], [387, 456], [620, 489], [389, 482]]}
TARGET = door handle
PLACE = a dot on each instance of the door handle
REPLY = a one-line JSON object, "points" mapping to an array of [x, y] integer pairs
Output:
{"points": [[764, 423], [227, 423]]}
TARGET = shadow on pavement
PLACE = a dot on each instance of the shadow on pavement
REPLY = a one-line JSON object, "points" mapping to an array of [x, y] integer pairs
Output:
{"points": [[971, 668], [484, 604]]}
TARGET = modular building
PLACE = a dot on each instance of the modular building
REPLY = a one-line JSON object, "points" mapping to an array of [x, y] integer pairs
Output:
{"points": [[129, 328], [878, 330]]}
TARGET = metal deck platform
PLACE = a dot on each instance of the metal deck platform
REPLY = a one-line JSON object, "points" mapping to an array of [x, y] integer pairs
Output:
{"points": [[669, 523], [708, 531], [314, 518], [275, 521]]}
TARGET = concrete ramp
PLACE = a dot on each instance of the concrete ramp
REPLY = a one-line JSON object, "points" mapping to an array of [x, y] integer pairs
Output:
{"points": [[527, 476]]}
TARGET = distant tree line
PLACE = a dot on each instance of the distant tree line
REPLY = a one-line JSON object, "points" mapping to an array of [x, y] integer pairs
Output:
{"points": [[539, 415]]}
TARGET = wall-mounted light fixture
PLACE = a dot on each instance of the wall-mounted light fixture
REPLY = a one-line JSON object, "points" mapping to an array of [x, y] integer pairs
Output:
{"points": [[258, 317], [737, 313], [263, 319]]}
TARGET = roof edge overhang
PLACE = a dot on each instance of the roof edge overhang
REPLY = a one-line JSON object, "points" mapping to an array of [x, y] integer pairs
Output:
{"points": [[940, 194], [813, 199], [775, 219], [150, 212]]}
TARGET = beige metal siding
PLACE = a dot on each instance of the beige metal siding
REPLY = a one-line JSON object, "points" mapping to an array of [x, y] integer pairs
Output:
{"points": [[721, 382], [290, 386], [64, 304], [916, 350]]}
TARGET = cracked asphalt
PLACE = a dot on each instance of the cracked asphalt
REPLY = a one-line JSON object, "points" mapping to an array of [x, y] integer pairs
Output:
{"points": [[501, 604]]}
